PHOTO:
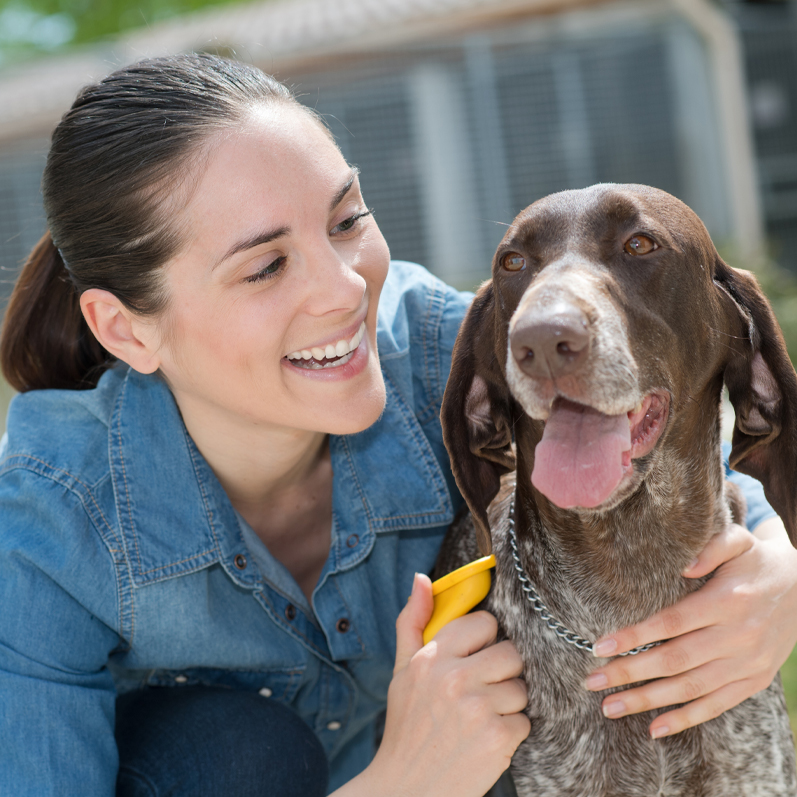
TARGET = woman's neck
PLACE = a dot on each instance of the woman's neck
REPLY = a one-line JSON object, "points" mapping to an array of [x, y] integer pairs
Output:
{"points": [[279, 480]]}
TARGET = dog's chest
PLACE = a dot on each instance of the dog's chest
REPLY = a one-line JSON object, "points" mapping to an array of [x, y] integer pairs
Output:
{"points": [[574, 751]]}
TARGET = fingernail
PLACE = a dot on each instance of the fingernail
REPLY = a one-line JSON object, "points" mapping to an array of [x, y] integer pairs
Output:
{"points": [[661, 730], [414, 585], [691, 566], [604, 648], [597, 681], [614, 709]]}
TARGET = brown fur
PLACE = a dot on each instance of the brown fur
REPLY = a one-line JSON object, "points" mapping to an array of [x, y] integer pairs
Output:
{"points": [[677, 320]]}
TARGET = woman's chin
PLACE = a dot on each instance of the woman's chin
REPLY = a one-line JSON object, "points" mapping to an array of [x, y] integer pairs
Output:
{"points": [[358, 414]]}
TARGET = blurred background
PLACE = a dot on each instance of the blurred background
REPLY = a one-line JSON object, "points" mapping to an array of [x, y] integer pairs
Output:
{"points": [[462, 112]]}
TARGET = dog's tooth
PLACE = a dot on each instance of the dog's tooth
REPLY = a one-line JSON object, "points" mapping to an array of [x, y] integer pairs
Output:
{"points": [[354, 342], [341, 348], [330, 351], [317, 353]]}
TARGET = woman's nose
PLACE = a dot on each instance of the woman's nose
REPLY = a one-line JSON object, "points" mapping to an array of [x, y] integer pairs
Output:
{"points": [[335, 281]]}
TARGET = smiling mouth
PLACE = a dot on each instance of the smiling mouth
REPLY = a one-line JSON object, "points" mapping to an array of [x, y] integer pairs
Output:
{"points": [[332, 355]]}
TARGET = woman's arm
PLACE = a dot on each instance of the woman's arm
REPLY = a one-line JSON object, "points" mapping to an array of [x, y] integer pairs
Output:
{"points": [[56, 694], [726, 641], [453, 706]]}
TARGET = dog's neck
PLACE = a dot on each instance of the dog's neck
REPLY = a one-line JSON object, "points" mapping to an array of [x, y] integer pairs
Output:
{"points": [[631, 556]]}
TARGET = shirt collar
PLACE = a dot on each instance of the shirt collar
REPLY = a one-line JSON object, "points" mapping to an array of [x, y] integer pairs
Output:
{"points": [[176, 518]]}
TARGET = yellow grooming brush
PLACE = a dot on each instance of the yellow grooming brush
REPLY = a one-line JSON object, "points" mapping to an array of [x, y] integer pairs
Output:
{"points": [[457, 593]]}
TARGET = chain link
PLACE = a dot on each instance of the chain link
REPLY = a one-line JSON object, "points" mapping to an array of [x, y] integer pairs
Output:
{"points": [[536, 602]]}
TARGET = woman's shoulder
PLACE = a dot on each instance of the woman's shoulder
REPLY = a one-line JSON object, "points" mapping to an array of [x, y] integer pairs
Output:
{"points": [[64, 430], [417, 306]]}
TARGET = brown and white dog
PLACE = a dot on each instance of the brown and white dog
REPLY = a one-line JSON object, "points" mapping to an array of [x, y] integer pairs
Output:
{"points": [[599, 349]]}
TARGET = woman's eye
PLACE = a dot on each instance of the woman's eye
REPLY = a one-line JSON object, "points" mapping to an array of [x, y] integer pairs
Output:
{"points": [[640, 245], [271, 270], [349, 224]]}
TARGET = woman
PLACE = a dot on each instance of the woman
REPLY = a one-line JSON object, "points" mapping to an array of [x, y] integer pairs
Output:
{"points": [[220, 512]]}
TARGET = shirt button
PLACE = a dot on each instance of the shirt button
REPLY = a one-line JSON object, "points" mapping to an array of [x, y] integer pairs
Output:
{"points": [[343, 625], [181, 679], [290, 611], [333, 726], [352, 540], [265, 692], [240, 561]]}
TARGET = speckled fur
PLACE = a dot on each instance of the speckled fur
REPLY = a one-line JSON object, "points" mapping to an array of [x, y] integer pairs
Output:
{"points": [[603, 569]]}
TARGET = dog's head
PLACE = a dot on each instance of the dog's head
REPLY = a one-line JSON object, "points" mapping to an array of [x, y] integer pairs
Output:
{"points": [[607, 328]]}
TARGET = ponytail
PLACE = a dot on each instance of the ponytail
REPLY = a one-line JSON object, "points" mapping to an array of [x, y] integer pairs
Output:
{"points": [[46, 342]]}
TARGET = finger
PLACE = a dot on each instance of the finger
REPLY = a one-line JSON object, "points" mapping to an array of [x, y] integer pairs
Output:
{"points": [[672, 658], [468, 634], [497, 663], [671, 691], [701, 710], [509, 697], [412, 620], [729, 543], [696, 610], [518, 727]]}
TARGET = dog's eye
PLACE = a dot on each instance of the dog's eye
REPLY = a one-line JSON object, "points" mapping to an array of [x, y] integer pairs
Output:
{"points": [[512, 261], [640, 245]]}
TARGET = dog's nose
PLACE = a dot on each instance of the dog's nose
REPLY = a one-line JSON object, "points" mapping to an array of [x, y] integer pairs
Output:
{"points": [[552, 342]]}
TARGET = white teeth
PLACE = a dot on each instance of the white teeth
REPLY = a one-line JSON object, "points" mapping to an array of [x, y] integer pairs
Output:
{"points": [[330, 351]]}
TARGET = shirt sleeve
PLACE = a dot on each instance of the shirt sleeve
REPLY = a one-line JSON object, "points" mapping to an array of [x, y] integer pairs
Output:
{"points": [[758, 508], [57, 697]]}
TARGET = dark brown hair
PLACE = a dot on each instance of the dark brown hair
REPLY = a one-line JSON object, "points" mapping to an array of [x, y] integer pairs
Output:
{"points": [[122, 151]]}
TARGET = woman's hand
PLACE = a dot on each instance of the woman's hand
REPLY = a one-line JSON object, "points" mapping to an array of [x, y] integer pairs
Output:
{"points": [[453, 706], [726, 642]]}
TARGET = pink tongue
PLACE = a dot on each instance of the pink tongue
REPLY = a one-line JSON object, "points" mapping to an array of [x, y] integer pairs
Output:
{"points": [[579, 461]]}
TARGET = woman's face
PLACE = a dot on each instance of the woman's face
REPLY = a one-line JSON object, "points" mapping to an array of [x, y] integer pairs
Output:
{"points": [[273, 300]]}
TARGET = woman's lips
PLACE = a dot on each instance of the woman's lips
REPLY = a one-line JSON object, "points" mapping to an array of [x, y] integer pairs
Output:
{"points": [[332, 355]]}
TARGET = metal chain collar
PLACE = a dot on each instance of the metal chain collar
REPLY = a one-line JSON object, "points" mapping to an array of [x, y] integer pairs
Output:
{"points": [[541, 609]]}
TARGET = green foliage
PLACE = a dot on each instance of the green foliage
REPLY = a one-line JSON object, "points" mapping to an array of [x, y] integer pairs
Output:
{"points": [[788, 673], [32, 27]]}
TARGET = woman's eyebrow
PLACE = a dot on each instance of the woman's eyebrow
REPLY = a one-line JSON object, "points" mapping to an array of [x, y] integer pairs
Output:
{"points": [[338, 198], [255, 240], [278, 232]]}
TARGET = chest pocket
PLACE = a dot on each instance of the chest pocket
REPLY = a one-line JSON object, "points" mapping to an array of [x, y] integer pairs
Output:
{"points": [[281, 685]]}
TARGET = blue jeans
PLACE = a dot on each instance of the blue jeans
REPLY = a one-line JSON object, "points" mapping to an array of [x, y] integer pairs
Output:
{"points": [[210, 742]]}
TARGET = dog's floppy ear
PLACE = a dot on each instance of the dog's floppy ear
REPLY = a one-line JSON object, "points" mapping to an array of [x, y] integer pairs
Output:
{"points": [[763, 390], [475, 415]]}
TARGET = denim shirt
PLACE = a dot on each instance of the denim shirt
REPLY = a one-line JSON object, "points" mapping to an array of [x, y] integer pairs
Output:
{"points": [[123, 563]]}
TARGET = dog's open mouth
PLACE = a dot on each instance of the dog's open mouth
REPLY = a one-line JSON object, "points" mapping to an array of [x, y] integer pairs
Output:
{"points": [[584, 454]]}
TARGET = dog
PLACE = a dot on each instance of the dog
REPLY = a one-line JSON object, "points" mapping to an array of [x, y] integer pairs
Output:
{"points": [[590, 369]]}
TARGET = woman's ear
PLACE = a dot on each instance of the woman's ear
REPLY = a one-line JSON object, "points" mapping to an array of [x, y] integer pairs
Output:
{"points": [[121, 332]]}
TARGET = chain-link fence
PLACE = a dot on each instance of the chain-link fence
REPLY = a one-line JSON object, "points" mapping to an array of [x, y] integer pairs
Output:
{"points": [[455, 137]]}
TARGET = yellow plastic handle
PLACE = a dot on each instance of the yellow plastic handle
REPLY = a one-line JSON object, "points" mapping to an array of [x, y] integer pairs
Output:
{"points": [[457, 593]]}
